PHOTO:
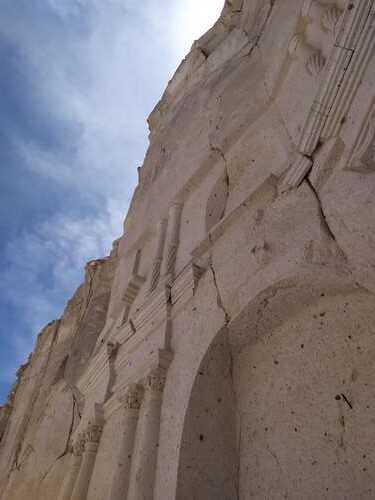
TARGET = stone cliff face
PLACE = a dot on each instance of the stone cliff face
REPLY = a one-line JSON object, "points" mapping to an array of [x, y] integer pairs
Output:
{"points": [[225, 349], [44, 405]]}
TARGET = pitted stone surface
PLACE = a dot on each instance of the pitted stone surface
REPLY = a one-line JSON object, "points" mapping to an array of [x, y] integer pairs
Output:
{"points": [[226, 347]]}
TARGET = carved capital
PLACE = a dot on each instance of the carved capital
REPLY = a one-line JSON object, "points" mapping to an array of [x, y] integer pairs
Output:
{"points": [[112, 348], [155, 380], [132, 398], [78, 445], [93, 432]]}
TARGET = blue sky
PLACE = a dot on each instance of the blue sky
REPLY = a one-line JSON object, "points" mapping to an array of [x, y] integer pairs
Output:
{"points": [[78, 80]]}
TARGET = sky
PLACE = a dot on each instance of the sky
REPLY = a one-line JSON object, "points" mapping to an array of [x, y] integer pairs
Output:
{"points": [[78, 80]]}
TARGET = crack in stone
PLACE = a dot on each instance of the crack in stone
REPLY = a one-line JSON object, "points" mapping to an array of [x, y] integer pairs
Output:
{"points": [[323, 216], [219, 299]]}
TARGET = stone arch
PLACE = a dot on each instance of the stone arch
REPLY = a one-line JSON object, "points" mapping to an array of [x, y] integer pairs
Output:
{"points": [[208, 466], [297, 367]]}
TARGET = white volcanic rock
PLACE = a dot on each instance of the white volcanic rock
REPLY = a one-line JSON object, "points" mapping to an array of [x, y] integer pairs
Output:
{"points": [[226, 348]]}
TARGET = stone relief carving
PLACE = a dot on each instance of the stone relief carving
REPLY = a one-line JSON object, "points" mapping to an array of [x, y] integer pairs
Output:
{"points": [[112, 348], [156, 264], [323, 16], [217, 201], [315, 64], [93, 432], [78, 445], [326, 16], [155, 380], [132, 398], [330, 18], [296, 173], [314, 60], [175, 220]]}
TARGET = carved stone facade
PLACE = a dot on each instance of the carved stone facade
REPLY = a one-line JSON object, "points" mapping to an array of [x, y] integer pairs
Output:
{"points": [[225, 349]]}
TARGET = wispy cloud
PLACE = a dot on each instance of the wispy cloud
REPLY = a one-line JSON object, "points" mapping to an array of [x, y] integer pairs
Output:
{"points": [[79, 78]]}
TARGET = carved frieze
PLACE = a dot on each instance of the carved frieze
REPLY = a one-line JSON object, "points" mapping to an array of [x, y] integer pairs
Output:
{"points": [[353, 46]]}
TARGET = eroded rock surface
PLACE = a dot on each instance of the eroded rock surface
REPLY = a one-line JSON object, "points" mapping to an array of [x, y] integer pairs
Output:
{"points": [[226, 348]]}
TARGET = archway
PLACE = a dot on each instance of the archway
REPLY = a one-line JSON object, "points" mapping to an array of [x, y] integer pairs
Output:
{"points": [[296, 374], [208, 467]]}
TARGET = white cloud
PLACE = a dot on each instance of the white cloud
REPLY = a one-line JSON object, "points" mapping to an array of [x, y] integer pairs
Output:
{"points": [[100, 79]]}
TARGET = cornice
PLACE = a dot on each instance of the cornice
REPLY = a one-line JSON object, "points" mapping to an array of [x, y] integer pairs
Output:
{"points": [[185, 283], [154, 311], [159, 359], [261, 196]]}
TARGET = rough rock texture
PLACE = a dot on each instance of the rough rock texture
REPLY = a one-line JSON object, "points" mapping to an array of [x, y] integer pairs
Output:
{"points": [[226, 348], [44, 406]]}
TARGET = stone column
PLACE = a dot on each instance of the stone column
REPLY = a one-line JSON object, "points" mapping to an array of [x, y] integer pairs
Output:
{"points": [[92, 438], [143, 469], [174, 220], [120, 482], [74, 466], [156, 264]]}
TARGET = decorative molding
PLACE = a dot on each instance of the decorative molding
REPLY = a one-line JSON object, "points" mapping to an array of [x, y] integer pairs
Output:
{"points": [[124, 333], [357, 36], [93, 432], [131, 293], [175, 222], [94, 372], [186, 282], [352, 50], [154, 311], [265, 193], [112, 348], [326, 16], [78, 445], [299, 49], [330, 18], [155, 380], [133, 288], [158, 359], [315, 64], [296, 172], [156, 264], [333, 84], [132, 398]]}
